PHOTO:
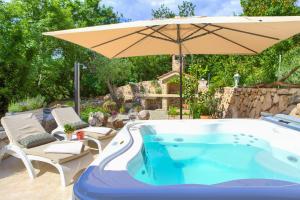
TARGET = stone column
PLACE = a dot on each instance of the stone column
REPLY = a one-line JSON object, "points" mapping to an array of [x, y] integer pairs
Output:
{"points": [[165, 103]]}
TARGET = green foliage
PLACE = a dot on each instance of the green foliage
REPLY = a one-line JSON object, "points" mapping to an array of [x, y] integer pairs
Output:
{"points": [[186, 9], [158, 90], [109, 106], [122, 110], [27, 104], [85, 112], [163, 12], [69, 129], [172, 111], [149, 67], [290, 60], [69, 103], [204, 104], [31, 63], [269, 7], [137, 108]]}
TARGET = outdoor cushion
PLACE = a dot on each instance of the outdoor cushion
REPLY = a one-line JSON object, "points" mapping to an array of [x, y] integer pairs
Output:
{"points": [[79, 125], [20, 126], [54, 157], [36, 139], [98, 136], [65, 116]]}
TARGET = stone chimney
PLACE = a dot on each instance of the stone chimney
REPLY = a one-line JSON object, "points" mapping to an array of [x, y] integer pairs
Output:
{"points": [[175, 63]]}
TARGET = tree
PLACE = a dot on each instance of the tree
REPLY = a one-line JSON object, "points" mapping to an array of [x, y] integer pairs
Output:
{"points": [[269, 7], [31, 63], [163, 12], [186, 9], [113, 73]]}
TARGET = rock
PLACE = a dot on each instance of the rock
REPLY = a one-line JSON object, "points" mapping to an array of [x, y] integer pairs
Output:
{"points": [[289, 109], [115, 122], [283, 92], [144, 115], [283, 103], [276, 99], [267, 104], [262, 98], [97, 119], [107, 97]]}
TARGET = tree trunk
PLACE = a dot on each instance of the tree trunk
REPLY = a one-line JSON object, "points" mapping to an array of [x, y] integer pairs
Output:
{"points": [[112, 93], [289, 74], [281, 81]]}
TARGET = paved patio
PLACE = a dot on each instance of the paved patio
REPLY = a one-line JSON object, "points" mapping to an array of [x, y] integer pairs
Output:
{"points": [[16, 184]]}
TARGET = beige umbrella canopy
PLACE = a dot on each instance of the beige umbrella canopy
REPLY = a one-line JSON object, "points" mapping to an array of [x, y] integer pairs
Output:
{"points": [[192, 35]]}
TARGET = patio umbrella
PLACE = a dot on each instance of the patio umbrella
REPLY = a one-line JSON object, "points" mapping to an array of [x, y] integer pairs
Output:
{"points": [[181, 36]]}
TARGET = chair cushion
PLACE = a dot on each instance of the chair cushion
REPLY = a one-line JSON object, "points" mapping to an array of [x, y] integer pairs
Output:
{"points": [[79, 125], [98, 136], [54, 157], [34, 140]]}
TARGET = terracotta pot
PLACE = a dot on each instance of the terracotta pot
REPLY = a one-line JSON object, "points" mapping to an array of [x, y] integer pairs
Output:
{"points": [[80, 135], [69, 136], [205, 117]]}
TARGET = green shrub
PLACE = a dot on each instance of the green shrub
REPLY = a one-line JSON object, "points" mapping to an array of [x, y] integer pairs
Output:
{"points": [[172, 111], [137, 108], [205, 104], [85, 112], [110, 106], [27, 104], [15, 107], [69, 103], [69, 129], [122, 109], [158, 90]]}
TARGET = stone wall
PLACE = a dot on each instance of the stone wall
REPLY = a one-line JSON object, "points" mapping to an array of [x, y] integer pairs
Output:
{"points": [[145, 87], [250, 102]]}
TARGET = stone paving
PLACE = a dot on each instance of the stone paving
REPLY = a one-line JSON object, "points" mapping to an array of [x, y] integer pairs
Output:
{"points": [[16, 184]]}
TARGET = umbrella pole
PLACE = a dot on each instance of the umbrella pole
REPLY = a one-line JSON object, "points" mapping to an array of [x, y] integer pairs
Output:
{"points": [[180, 71], [180, 67], [77, 87]]}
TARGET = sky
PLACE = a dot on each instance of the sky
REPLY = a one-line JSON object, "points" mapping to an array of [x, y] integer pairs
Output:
{"points": [[141, 9]]}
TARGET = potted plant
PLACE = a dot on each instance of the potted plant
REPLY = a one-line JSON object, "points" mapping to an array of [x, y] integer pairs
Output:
{"points": [[172, 112], [69, 130], [205, 106]]}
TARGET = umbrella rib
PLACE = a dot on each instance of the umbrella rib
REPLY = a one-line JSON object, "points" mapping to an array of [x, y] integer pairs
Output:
{"points": [[246, 32], [156, 37], [157, 31], [193, 33], [201, 35], [236, 43], [136, 42], [123, 36]]}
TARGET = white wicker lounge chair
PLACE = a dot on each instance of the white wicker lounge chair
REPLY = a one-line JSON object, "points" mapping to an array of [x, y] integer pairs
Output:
{"points": [[100, 135], [18, 126]]}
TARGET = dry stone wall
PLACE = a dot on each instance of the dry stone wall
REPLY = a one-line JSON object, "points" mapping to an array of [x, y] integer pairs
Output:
{"points": [[250, 102]]}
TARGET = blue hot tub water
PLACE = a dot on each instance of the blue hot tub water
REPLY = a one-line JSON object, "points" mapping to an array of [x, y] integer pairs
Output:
{"points": [[212, 158]]}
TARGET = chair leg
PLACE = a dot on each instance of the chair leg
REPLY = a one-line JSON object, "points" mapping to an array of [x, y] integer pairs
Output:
{"points": [[97, 142], [3, 150], [68, 170], [24, 158]]}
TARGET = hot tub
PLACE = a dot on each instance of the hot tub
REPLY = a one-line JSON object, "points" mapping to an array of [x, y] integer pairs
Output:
{"points": [[196, 159]]}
